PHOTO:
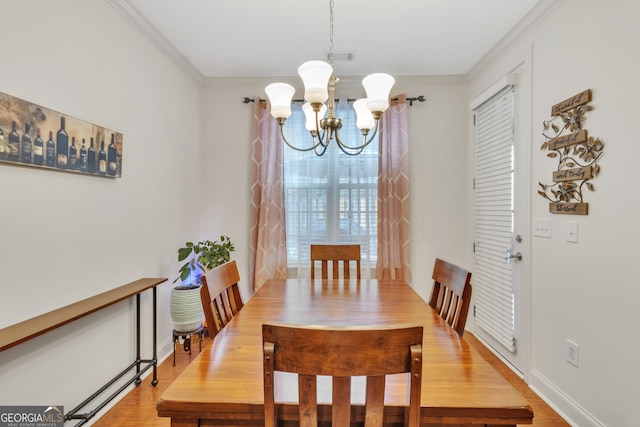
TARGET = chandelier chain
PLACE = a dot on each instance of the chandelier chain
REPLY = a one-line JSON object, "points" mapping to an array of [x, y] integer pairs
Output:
{"points": [[331, 32]]}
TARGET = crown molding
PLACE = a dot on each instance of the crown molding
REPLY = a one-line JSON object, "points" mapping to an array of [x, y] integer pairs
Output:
{"points": [[524, 27], [141, 24]]}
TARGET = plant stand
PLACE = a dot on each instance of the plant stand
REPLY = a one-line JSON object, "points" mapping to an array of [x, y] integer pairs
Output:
{"points": [[187, 340]]}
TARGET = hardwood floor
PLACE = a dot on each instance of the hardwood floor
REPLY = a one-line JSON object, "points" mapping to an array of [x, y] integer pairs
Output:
{"points": [[543, 414], [138, 407]]}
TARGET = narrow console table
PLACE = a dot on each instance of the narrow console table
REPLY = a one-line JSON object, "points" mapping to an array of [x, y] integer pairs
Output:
{"points": [[31, 328]]}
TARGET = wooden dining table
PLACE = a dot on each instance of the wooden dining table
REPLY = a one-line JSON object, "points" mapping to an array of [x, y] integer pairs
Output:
{"points": [[224, 384]]}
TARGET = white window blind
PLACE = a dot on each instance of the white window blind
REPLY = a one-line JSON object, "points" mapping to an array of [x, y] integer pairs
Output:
{"points": [[329, 199], [494, 175]]}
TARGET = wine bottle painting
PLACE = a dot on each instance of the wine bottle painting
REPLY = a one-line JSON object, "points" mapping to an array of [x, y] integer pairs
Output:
{"points": [[35, 136]]}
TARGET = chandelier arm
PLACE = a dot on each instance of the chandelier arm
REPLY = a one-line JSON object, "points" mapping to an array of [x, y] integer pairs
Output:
{"points": [[313, 147], [324, 136], [352, 151], [319, 152]]}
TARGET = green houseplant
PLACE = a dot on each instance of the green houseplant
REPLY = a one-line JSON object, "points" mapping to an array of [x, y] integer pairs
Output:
{"points": [[184, 304], [204, 256]]}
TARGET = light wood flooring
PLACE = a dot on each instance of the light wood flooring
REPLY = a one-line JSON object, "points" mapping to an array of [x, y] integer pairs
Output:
{"points": [[138, 407], [543, 414]]}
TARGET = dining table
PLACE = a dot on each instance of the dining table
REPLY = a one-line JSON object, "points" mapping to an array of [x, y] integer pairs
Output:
{"points": [[223, 385]]}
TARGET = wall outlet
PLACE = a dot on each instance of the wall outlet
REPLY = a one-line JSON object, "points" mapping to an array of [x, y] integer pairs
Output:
{"points": [[542, 227], [572, 353]]}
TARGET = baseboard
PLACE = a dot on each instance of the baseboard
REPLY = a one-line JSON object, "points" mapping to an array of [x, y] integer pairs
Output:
{"points": [[566, 407], [163, 351], [498, 355]]}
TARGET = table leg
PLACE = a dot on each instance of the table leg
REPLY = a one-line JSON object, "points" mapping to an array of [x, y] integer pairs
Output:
{"points": [[154, 382], [138, 381]]}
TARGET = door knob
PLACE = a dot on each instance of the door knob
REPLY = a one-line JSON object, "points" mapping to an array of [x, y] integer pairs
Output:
{"points": [[517, 256]]}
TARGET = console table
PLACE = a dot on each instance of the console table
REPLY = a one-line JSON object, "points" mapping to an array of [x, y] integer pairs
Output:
{"points": [[31, 328]]}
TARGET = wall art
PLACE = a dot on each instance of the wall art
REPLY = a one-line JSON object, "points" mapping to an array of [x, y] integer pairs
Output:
{"points": [[36, 136], [567, 140]]}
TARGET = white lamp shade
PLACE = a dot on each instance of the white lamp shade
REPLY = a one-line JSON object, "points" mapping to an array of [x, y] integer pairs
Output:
{"points": [[310, 116], [280, 96], [364, 118], [378, 87], [315, 76]]}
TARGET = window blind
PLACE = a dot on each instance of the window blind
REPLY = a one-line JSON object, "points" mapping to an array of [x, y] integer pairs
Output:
{"points": [[494, 206], [330, 199]]}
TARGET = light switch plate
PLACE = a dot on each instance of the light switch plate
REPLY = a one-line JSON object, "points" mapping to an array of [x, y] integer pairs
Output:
{"points": [[572, 231], [542, 227]]}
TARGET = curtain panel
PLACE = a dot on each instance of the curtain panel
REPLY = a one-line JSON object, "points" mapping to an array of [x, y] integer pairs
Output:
{"points": [[267, 246], [393, 194]]}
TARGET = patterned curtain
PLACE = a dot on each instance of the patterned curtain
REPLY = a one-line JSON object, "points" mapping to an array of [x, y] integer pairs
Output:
{"points": [[393, 194], [268, 250]]}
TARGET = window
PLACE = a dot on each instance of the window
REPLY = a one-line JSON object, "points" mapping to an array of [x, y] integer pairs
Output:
{"points": [[331, 198]]}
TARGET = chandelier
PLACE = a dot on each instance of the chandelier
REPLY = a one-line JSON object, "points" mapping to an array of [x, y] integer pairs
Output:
{"points": [[319, 86]]}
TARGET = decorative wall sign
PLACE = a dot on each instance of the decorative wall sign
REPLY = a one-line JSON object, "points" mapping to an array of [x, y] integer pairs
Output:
{"points": [[35, 136], [577, 154]]}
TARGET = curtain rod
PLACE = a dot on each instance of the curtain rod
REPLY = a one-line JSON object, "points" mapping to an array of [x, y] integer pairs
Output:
{"points": [[419, 98]]}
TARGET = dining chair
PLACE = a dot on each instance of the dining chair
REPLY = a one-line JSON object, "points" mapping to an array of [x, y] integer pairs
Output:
{"points": [[451, 293], [220, 296], [342, 353], [335, 255]]}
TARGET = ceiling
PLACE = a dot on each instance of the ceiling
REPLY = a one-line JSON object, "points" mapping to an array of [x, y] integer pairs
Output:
{"points": [[256, 38]]}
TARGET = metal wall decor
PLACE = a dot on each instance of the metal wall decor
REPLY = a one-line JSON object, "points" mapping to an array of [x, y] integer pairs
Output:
{"points": [[35, 136], [577, 153]]}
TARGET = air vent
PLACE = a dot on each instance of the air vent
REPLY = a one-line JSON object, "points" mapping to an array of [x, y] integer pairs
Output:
{"points": [[341, 56]]}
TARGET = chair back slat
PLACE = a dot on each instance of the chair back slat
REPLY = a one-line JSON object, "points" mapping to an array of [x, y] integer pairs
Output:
{"points": [[339, 257], [308, 400], [451, 293], [341, 353], [220, 296], [375, 401], [341, 401]]}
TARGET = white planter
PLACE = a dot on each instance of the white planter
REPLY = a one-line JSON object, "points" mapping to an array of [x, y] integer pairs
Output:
{"points": [[186, 308]]}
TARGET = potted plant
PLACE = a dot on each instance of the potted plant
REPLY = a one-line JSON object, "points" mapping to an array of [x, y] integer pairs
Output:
{"points": [[185, 305]]}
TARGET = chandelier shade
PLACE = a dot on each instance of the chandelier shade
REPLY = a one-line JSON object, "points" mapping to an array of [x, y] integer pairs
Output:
{"points": [[310, 116], [315, 75], [378, 87], [364, 117], [280, 96]]}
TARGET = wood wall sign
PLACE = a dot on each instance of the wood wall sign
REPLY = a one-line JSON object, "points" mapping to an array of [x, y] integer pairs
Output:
{"points": [[577, 153]]}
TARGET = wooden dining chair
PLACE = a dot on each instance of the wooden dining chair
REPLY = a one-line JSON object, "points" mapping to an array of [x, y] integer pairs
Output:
{"points": [[220, 296], [336, 255], [342, 353], [451, 293]]}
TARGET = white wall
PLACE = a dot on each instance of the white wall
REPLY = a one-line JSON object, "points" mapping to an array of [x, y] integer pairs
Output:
{"points": [[439, 179], [65, 237], [586, 292]]}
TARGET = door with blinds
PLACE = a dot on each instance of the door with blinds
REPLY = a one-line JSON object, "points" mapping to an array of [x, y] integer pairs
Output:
{"points": [[497, 247]]}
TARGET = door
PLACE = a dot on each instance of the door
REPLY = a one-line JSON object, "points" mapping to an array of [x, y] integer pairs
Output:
{"points": [[501, 219]]}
